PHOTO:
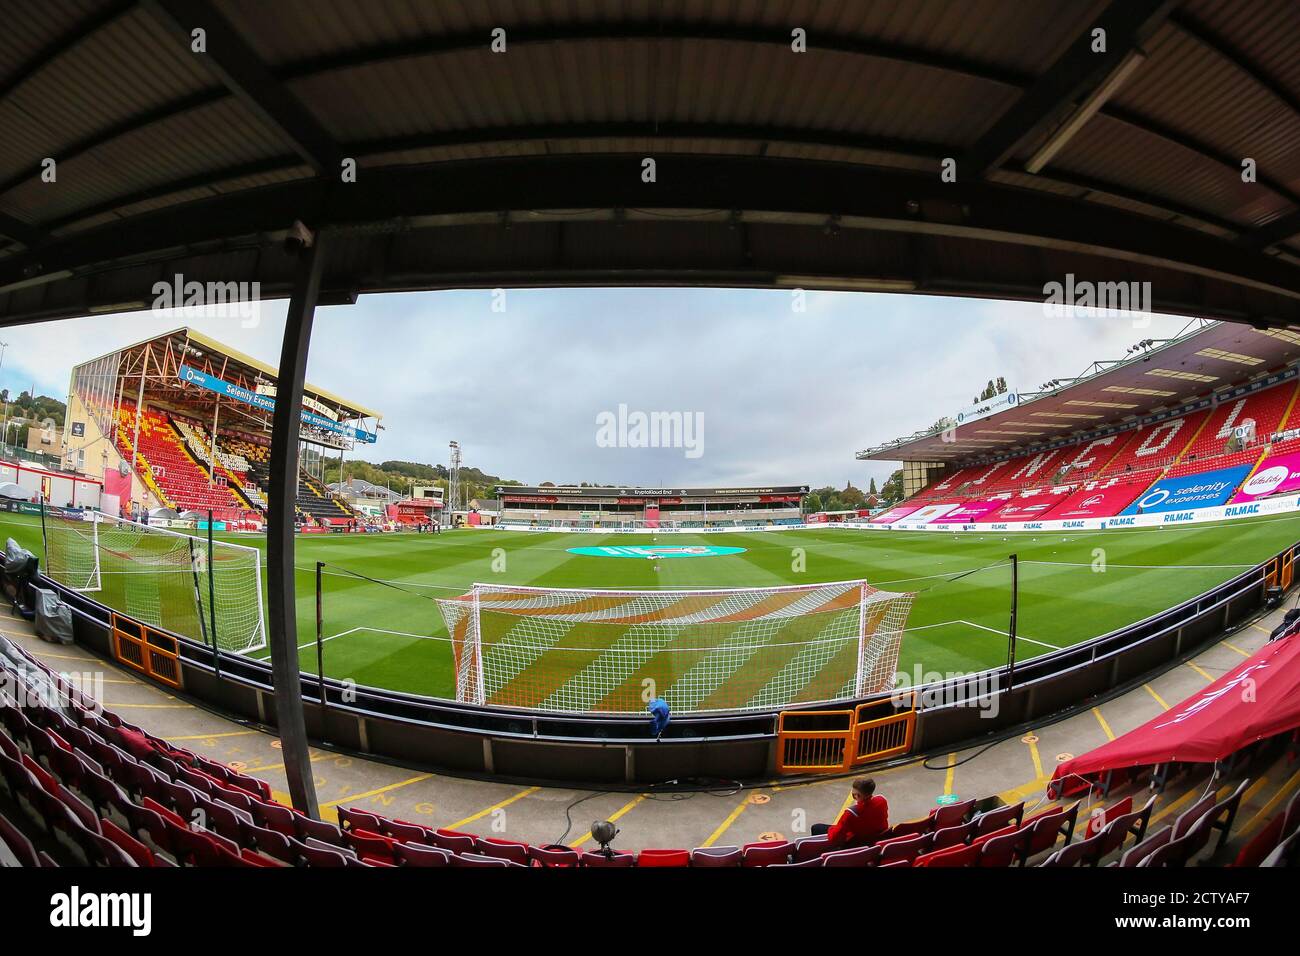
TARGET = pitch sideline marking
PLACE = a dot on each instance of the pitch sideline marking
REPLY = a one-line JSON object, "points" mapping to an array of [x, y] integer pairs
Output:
{"points": [[1019, 637]]}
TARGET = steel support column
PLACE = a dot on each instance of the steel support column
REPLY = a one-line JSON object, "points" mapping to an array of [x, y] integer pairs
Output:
{"points": [[283, 622]]}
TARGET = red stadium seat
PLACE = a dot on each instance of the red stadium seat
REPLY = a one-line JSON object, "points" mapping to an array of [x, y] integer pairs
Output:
{"points": [[453, 841], [663, 858], [966, 854], [415, 854], [511, 850], [859, 856], [716, 856], [763, 854], [598, 860], [998, 818], [952, 836], [1000, 849], [811, 847], [952, 814], [353, 819], [471, 860], [904, 848], [553, 856]]}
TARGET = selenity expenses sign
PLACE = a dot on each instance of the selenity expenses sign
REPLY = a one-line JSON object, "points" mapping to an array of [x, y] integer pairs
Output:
{"points": [[192, 376], [1205, 490]]}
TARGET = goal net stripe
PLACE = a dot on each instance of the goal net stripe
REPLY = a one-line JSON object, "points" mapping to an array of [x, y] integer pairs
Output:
{"points": [[559, 650], [671, 606]]}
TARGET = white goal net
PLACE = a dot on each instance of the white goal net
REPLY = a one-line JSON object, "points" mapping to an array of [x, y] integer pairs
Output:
{"points": [[580, 651], [161, 577]]}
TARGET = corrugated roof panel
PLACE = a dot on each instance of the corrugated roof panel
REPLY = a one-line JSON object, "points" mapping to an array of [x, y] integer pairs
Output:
{"points": [[1104, 149], [1022, 37], [690, 81], [1184, 85], [127, 68], [1263, 31], [211, 138]]}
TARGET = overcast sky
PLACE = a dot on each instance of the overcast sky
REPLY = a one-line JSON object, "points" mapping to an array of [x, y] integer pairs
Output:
{"points": [[785, 397]]}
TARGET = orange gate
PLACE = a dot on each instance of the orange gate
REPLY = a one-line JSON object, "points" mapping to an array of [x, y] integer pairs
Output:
{"points": [[146, 650], [829, 741]]}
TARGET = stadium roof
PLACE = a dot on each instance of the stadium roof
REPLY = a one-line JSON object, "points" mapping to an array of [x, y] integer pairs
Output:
{"points": [[1154, 378], [230, 364], [816, 169]]}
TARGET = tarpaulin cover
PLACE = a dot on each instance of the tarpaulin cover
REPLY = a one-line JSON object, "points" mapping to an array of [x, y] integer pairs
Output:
{"points": [[53, 617], [1259, 698]]}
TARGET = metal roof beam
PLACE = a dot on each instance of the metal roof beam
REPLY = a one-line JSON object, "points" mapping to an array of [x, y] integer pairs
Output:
{"points": [[931, 152], [1279, 230], [239, 68], [1076, 74], [20, 231], [889, 200]]}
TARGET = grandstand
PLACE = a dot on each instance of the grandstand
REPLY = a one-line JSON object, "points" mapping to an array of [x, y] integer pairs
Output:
{"points": [[181, 422], [573, 507], [1219, 400]]}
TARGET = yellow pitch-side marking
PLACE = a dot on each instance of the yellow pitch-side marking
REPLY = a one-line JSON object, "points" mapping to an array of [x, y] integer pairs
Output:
{"points": [[1159, 700], [378, 790], [66, 657], [1016, 794], [1105, 727], [313, 758], [1032, 740], [233, 733], [1267, 811], [732, 817], [496, 806], [1185, 798], [627, 807], [952, 771], [109, 706], [1233, 647], [1200, 671]]}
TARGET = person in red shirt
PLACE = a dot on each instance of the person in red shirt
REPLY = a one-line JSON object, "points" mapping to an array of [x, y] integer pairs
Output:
{"points": [[862, 821]]}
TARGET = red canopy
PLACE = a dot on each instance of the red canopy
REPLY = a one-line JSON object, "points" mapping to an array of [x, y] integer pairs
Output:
{"points": [[1259, 698]]}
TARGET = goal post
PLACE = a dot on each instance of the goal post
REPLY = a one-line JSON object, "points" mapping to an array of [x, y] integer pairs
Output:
{"points": [[582, 651], [160, 577]]}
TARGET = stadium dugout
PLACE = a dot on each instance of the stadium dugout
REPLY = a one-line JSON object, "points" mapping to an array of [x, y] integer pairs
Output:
{"points": [[979, 150]]}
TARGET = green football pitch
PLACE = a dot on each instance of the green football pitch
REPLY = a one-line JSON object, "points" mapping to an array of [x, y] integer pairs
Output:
{"points": [[388, 632]]}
